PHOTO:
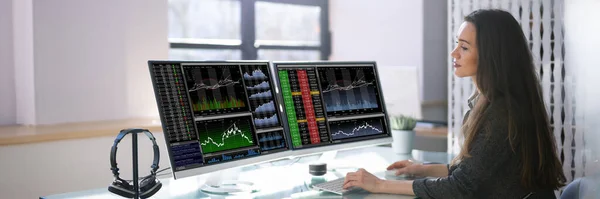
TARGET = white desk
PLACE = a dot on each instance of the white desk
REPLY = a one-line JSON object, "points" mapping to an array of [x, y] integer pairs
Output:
{"points": [[285, 178]]}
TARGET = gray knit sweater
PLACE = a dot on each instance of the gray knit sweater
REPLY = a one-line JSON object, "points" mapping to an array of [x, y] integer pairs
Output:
{"points": [[491, 172]]}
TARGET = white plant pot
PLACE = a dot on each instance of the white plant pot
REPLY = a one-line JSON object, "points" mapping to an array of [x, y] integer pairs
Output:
{"points": [[403, 141]]}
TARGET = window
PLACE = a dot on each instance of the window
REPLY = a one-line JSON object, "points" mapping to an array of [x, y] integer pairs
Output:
{"points": [[278, 30]]}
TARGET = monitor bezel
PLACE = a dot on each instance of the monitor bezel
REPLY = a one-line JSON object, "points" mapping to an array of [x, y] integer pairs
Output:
{"points": [[305, 151], [291, 152], [225, 165]]}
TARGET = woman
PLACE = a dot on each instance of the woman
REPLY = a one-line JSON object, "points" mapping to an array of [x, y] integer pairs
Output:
{"points": [[509, 150]]}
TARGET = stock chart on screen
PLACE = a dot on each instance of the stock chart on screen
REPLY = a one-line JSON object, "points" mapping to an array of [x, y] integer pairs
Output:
{"points": [[216, 112], [215, 90], [349, 90], [329, 103]]}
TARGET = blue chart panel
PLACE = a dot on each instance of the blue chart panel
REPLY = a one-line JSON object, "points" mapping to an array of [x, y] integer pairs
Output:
{"points": [[356, 128], [215, 89], [242, 154], [213, 160], [268, 107], [260, 95], [186, 155], [265, 114], [267, 121], [347, 105], [232, 156], [271, 140], [349, 90], [265, 94], [264, 85], [227, 157], [256, 74]]}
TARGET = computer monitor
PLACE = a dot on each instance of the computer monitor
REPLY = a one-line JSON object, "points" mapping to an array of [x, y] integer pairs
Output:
{"points": [[217, 114], [329, 106]]}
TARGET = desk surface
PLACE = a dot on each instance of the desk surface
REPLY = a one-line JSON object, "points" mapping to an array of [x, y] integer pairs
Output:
{"points": [[285, 178]]}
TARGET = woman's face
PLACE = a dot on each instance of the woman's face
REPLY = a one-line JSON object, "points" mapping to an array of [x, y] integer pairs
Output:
{"points": [[465, 53]]}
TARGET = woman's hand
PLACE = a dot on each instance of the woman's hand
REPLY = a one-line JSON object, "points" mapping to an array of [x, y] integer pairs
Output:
{"points": [[408, 167], [362, 179]]}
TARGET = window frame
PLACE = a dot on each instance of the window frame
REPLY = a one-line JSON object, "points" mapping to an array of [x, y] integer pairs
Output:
{"points": [[248, 33]]}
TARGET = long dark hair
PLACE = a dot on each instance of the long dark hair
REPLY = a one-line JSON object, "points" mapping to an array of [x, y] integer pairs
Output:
{"points": [[506, 70]]}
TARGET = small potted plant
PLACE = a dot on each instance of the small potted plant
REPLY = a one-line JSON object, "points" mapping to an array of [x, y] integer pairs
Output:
{"points": [[403, 133]]}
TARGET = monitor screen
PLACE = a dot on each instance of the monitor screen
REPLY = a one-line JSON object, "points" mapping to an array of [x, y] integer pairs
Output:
{"points": [[329, 103], [217, 112]]}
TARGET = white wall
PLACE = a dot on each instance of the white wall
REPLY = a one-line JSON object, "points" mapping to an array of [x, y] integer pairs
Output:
{"points": [[67, 166], [23, 61], [582, 41], [7, 80], [146, 39], [82, 60], [387, 31], [101, 67]]}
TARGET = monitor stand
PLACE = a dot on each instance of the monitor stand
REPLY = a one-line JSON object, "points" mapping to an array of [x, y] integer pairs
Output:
{"points": [[226, 182], [333, 166], [327, 156]]}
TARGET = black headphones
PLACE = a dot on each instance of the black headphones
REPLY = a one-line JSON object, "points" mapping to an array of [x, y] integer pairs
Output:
{"points": [[148, 185]]}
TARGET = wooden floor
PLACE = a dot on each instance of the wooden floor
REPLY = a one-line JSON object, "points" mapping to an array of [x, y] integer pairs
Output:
{"points": [[18, 134]]}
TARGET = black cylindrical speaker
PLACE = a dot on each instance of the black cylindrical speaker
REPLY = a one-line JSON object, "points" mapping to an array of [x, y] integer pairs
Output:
{"points": [[317, 169]]}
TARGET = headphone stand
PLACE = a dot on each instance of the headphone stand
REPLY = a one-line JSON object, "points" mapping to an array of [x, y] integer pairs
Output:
{"points": [[148, 185], [134, 154]]}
